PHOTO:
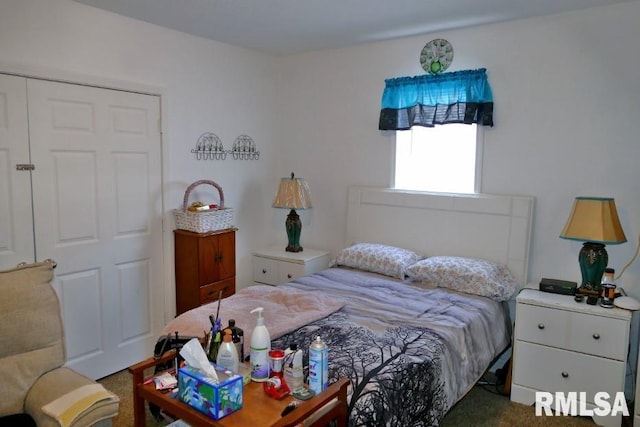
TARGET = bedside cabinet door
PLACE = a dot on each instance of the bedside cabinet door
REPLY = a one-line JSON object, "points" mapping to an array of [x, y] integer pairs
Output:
{"points": [[265, 270]]}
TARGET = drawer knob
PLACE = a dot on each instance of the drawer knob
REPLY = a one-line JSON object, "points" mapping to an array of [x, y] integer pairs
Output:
{"points": [[596, 336], [565, 374], [264, 271], [289, 276], [540, 325]]}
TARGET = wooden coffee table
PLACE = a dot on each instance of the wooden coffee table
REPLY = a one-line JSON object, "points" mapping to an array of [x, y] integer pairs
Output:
{"points": [[259, 410]]}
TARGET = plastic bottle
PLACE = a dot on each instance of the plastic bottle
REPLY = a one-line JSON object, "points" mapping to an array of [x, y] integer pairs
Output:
{"points": [[608, 288], [227, 354], [237, 335], [260, 345], [293, 372], [318, 365]]}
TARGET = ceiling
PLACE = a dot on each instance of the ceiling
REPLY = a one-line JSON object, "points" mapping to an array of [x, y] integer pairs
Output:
{"points": [[294, 26]]}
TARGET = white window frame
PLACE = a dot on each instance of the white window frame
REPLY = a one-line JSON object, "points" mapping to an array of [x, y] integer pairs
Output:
{"points": [[478, 167]]}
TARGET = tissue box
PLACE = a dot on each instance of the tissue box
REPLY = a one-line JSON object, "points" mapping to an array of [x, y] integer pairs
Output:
{"points": [[214, 399]]}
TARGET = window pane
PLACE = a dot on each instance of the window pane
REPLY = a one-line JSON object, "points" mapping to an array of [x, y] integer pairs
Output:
{"points": [[440, 159]]}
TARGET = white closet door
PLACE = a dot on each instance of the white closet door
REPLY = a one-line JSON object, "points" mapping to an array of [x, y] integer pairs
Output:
{"points": [[98, 213], [16, 219]]}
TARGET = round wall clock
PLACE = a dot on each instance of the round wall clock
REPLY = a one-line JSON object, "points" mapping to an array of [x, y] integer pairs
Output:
{"points": [[436, 56]]}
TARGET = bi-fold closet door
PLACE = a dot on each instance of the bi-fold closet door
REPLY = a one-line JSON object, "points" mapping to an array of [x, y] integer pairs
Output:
{"points": [[92, 202]]}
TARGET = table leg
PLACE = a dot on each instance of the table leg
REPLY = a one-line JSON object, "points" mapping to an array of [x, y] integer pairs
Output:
{"points": [[138, 402]]}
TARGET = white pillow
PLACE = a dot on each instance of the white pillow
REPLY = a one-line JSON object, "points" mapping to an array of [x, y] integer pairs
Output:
{"points": [[468, 275], [376, 258]]}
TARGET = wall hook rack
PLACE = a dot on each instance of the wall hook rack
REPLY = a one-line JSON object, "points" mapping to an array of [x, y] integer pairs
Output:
{"points": [[209, 147], [244, 148]]}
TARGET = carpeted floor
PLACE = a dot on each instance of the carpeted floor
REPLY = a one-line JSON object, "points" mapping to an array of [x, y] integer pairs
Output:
{"points": [[481, 407]]}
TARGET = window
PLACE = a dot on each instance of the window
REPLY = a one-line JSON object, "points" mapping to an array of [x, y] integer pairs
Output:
{"points": [[439, 159]]}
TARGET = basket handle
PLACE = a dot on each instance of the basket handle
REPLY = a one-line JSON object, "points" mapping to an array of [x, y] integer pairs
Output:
{"points": [[194, 185]]}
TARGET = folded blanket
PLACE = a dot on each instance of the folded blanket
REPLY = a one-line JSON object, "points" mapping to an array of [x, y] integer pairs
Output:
{"points": [[67, 408], [285, 309]]}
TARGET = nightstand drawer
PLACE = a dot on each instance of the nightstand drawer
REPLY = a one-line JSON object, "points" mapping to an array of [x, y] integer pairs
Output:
{"points": [[552, 369], [265, 270], [584, 333], [288, 271]]}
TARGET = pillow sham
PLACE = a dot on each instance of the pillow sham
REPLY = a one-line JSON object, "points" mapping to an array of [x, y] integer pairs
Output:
{"points": [[468, 275], [376, 258]]}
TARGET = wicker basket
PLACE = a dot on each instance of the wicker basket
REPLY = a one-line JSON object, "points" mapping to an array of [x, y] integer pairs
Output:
{"points": [[203, 221]]}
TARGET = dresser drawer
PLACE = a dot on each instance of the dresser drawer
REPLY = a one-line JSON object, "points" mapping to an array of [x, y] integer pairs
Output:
{"points": [[210, 293], [581, 332], [552, 369]]}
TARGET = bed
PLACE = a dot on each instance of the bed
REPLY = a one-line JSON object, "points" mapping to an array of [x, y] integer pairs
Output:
{"points": [[414, 308]]}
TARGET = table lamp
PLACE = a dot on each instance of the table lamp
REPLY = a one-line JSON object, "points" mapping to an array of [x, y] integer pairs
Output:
{"points": [[593, 220], [293, 193]]}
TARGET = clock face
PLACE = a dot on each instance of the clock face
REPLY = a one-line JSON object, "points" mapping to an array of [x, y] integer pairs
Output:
{"points": [[436, 56]]}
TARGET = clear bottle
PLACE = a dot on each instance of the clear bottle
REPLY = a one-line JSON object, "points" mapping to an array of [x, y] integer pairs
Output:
{"points": [[227, 354], [293, 372]]}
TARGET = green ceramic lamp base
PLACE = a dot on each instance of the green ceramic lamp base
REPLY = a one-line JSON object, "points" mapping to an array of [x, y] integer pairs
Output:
{"points": [[593, 259], [294, 228]]}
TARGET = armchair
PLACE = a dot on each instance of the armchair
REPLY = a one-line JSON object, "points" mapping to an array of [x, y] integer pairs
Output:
{"points": [[32, 355]]}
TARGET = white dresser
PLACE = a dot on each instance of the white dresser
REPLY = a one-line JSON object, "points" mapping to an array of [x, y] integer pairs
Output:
{"points": [[565, 346], [274, 266]]}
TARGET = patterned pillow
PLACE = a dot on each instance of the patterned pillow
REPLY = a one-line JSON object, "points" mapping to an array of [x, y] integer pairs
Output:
{"points": [[468, 275], [376, 258]]}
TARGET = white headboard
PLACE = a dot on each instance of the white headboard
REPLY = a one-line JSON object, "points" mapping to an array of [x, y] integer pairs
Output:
{"points": [[492, 227]]}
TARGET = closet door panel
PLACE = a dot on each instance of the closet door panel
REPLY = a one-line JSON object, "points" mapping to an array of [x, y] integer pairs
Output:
{"points": [[97, 200], [16, 219], [75, 199]]}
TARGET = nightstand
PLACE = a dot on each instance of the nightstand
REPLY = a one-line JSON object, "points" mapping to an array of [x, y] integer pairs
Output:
{"points": [[565, 346], [274, 266]]}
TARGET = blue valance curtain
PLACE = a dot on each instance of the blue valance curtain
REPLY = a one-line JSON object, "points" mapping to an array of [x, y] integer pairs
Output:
{"points": [[436, 99]]}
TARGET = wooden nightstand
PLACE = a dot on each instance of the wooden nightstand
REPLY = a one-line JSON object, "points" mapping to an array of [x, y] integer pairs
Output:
{"points": [[274, 266], [565, 346]]}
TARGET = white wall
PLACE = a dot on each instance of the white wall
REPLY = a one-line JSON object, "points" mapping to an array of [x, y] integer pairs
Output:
{"points": [[567, 101], [206, 87]]}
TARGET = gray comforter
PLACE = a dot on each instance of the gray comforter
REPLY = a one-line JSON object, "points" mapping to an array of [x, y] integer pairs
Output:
{"points": [[410, 352]]}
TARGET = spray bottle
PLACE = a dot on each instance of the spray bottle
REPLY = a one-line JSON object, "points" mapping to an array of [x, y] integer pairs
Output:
{"points": [[318, 366], [259, 349]]}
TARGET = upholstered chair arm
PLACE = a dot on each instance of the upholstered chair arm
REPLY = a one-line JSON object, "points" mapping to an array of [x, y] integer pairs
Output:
{"points": [[57, 383]]}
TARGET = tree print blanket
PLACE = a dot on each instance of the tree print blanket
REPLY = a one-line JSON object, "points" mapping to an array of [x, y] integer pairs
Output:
{"points": [[410, 352]]}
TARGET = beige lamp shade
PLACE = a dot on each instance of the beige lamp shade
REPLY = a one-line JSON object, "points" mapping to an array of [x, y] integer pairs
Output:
{"points": [[293, 193], [594, 219]]}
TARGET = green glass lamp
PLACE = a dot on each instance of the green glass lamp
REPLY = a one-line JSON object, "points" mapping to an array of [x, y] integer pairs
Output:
{"points": [[594, 221], [293, 193]]}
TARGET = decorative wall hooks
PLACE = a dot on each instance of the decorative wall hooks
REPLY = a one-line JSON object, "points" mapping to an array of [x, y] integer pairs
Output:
{"points": [[244, 149], [210, 147]]}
